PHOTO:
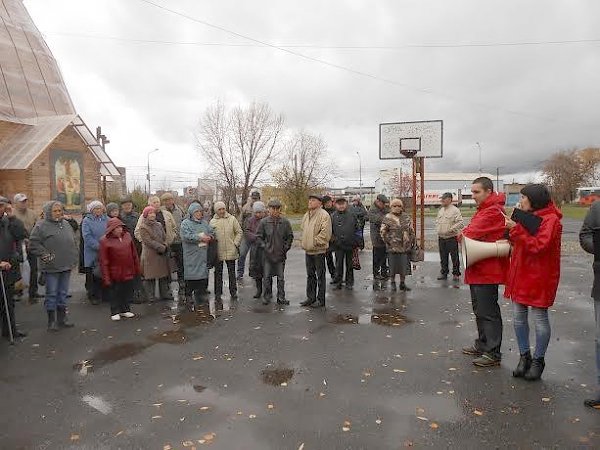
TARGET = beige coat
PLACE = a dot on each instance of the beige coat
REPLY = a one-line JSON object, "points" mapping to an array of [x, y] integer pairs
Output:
{"points": [[154, 261], [449, 222], [229, 236], [316, 231], [170, 225]]}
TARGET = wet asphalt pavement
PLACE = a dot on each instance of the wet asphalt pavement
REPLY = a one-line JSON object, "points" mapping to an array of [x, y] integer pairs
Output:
{"points": [[375, 370]]}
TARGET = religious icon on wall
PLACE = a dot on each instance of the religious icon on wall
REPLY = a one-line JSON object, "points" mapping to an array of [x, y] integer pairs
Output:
{"points": [[67, 179]]}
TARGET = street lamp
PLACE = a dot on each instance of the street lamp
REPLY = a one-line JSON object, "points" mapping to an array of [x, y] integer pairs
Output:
{"points": [[148, 173], [479, 145], [359, 175]]}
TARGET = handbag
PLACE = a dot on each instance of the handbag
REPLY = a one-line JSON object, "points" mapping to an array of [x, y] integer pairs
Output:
{"points": [[417, 254], [355, 259], [25, 268]]}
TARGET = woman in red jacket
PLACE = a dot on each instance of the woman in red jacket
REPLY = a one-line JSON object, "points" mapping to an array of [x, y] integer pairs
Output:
{"points": [[120, 266], [533, 276]]}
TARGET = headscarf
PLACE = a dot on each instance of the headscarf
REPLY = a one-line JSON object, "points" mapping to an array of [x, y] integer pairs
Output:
{"points": [[193, 208], [148, 210], [48, 210], [219, 205], [94, 204]]}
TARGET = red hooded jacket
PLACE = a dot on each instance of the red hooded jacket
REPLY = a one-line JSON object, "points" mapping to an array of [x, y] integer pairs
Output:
{"points": [[488, 225], [118, 257], [535, 261]]}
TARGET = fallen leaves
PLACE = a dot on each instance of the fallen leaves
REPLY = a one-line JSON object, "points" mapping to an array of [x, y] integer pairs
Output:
{"points": [[424, 419], [399, 371], [198, 357], [477, 412], [346, 426], [156, 417], [378, 421], [433, 426], [252, 416], [204, 408], [270, 406], [545, 399], [74, 437]]}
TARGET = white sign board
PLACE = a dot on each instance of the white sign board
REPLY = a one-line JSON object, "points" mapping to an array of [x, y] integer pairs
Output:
{"points": [[425, 138]]}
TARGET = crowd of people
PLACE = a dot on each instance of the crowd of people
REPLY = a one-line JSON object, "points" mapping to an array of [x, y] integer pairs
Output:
{"points": [[129, 257]]}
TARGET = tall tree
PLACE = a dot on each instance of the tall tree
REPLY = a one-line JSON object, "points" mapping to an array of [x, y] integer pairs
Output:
{"points": [[305, 168], [567, 170], [240, 146]]}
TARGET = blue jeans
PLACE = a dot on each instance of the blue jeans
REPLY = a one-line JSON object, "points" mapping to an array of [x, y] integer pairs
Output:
{"points": [[244, 250], [57, 288], [542, 329], [597, 311]]}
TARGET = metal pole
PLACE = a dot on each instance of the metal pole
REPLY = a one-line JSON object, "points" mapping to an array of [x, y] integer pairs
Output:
{"points": [[479, 145], [359, 174], [6, 310], [148, 174], [414, 193], [497, 179], [422, 167]]}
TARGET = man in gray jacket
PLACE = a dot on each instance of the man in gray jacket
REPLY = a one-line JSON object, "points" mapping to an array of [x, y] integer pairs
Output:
{"points": [[275, 235], [589, 238], [448, 224]]}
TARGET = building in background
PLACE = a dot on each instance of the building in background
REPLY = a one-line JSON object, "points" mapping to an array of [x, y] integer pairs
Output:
{"points": [[396, 183], [367, 193], [46, 149]]}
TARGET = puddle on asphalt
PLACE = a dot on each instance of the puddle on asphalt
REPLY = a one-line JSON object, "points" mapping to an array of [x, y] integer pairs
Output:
{"points": [[342, 319], [188, 319], [174, 337], [199, 388], [275, 377], [98, 403], [109, 355], [390, 319]]}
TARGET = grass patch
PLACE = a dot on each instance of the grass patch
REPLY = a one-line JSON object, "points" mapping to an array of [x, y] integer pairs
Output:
{"points": [[576, 212]]}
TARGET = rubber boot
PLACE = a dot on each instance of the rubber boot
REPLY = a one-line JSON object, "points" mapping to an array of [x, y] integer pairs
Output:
{"points": [[52, 324], [149, 288], [164, 289], [259, 288], [535, 371], [523, 366], [61, 314]]}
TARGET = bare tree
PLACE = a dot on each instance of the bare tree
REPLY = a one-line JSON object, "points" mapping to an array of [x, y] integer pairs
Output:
{"points": [[305, 168], [240, 146], [567, 170]]}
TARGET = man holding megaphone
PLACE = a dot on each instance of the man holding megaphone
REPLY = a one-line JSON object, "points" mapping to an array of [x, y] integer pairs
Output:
{"points": [[484, 276]]}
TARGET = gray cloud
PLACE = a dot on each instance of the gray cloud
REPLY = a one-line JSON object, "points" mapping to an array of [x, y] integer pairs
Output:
{"points": [[520, 102]]}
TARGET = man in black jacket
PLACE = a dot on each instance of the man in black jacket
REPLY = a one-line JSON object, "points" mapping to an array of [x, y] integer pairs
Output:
{"points": [[377, 212], [589, 238], [344, 226], [275, 236], [12, 233]]}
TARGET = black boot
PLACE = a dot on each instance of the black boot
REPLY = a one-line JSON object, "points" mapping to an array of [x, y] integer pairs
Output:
{"points": [[61, 318], [52, 324], [393, 285], [535, 371], [523, 366], [404, 287], [259, 288]]}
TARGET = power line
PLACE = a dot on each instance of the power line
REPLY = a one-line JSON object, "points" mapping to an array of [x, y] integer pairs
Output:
{"points": [[348, 69], [330, 47]]}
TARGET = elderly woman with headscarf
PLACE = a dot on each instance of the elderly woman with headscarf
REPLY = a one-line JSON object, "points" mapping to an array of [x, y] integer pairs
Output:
{"points": [[155, 262], [93, 227], [53, 242], [120, 267], [399, 237], [196, 234], [257, 259]]}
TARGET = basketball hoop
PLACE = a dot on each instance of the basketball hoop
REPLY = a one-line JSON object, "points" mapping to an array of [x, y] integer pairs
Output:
{"points": [[409, 154]]}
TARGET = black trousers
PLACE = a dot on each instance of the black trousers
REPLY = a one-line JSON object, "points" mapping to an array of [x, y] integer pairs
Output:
{"points": [[380, 265], [120, 295], [219, 277], [197, 288], [177, 255], [344, 258], [10, 300], [315, 277], [93, 285], [274, 269], [33, 280], [330, 263], [449, 247], [484, 298]]}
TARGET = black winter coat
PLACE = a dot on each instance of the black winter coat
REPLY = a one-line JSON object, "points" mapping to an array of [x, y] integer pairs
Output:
{"points": [[344, 226], [589, 238], [12, 232], [276, 237]]}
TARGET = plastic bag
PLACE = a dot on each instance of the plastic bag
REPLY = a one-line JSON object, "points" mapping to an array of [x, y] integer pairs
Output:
{"points": [[25, 269]]}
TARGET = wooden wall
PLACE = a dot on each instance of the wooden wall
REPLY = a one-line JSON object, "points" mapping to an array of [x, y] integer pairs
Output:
{"points": [[35, 181]]}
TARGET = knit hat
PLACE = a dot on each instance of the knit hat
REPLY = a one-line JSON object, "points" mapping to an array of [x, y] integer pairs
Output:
{"points": [[274, 203], [194, 206], [94, 204], [255, 195], [219, 205], [166, 196], [148, 210], [111, 207], [126, 200], [258, 207]]}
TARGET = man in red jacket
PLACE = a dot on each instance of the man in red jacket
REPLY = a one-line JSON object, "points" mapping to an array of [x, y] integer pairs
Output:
{"points": [[487, 225]]}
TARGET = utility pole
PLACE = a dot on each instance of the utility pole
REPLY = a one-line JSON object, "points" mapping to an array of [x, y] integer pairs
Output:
{"points": [[359, 175], [103, 140], [480, 170], [148, 173], [497, 179]]}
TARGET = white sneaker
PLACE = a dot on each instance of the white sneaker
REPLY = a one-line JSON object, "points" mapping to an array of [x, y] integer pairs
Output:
{"points": [[115, 317], [128, 314]]}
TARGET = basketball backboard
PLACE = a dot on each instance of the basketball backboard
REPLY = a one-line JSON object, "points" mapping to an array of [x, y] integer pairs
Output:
{"points": [[403, 140]]}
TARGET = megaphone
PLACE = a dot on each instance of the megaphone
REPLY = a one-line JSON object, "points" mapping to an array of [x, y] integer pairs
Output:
{"points": [[474, 251]]}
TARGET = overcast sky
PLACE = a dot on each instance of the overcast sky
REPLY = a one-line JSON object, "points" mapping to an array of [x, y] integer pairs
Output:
{"points": [[520, 102]]}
